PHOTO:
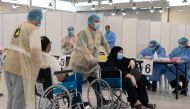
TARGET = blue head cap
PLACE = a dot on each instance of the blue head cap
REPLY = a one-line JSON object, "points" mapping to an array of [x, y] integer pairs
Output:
{"points": [[153, 43], [70, 28], [183, 40], [35, 14], [92, 18]]}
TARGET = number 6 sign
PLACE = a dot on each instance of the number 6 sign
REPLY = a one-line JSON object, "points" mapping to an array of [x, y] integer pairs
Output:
{"points": [[147, 67]]}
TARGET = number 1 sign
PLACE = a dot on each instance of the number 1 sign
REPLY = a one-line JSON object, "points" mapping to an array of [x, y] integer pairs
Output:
{"points": [[147, 67]]}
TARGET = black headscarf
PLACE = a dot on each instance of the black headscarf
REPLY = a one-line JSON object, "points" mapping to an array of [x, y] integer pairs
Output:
{"points": [[113, 53]]}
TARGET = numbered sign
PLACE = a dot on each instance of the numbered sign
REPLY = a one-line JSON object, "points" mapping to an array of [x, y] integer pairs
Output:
{"points": [[147, 67]]}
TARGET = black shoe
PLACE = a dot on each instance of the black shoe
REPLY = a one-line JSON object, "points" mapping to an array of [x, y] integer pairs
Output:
{"points": [[183, 91], [153, 89], [1, 94], [149, 87], [175, 91]]}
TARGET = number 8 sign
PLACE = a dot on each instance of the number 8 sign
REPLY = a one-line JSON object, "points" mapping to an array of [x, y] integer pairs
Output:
{"points": [[147, 67]]}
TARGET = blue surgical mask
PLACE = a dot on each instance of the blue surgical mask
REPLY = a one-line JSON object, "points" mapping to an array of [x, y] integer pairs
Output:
{"points": [[97, 26], [120, 56], [180, 46], [70, 33]]}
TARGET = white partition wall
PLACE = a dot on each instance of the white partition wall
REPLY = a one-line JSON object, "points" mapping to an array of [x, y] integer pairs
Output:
{"points": [[43, 25], [174, 35], [143, 34], [80, 22], [1, 32], [9, 25], [129, 37], [68, 19], [155, 31], [165, 37], [181, 31], [187, 31], [115, 23], [53, 31], [20, 18]]}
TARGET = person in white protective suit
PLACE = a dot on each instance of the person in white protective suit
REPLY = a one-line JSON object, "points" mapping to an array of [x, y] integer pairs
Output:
{"points": [[85, 53], [23, 61]]}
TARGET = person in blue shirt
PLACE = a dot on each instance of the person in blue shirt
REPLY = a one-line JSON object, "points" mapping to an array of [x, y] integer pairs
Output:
{"points": [[110, 36], [148, 53], [182, 52]]}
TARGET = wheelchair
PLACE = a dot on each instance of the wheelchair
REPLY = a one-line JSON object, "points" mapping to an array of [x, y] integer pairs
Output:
{"points": [[109, 87], [56, 96]]}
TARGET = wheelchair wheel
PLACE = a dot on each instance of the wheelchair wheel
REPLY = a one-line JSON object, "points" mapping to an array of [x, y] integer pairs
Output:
{"points": [[99, 95], [120, 100], [55, 97]]}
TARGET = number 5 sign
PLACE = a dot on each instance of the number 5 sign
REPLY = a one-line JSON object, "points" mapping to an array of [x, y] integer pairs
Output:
{"points": [[147, 67]]}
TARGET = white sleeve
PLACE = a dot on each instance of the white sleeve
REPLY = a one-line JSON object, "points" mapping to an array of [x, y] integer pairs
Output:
{"points": [[35, 46]]}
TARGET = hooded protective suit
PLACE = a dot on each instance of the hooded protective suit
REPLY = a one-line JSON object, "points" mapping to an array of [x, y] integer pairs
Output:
{"points": [[86, 51]]}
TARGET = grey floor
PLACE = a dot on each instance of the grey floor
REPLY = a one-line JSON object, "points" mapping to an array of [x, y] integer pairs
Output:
{"points": [[163, 99]]}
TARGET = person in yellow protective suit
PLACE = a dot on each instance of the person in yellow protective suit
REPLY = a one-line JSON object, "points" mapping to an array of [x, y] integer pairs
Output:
{"points": [[23, 61], [85, 53]]}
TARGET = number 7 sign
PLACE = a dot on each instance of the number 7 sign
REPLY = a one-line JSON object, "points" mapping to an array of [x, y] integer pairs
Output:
{"points": [[147, 67]]}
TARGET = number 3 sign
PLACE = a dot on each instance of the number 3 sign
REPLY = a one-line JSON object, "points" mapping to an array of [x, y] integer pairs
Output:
{"points": [[147, 67]]}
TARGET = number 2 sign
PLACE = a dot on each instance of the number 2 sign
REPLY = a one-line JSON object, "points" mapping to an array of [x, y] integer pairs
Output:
{"points": [[147, 67]]}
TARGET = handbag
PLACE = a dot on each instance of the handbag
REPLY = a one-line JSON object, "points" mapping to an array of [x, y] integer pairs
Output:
{"points": [[136, 73]]}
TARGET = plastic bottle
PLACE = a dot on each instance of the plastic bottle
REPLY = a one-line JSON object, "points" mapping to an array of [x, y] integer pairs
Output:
{"points": [[155, 55]]}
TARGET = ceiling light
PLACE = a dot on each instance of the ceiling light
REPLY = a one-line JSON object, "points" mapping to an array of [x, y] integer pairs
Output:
{"points": [[14, 6], [110, 2], [180, 10], [160, 11], [93, 7], [152, 10], [134, 6], [123, 13]]}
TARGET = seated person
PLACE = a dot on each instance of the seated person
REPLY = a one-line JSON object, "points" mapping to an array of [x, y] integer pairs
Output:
{"points": [[148, 52], [54, 65], [182, 52], [136, 90]]}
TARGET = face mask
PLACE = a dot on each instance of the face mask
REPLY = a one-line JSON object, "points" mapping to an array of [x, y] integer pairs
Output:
{"points": [[39, 23], [180, 46], [97, 26], [152, 49], [119, 56], [70, 33]]}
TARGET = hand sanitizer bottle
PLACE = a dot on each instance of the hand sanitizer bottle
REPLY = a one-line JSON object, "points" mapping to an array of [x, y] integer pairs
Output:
{"points": [[155, 55]]}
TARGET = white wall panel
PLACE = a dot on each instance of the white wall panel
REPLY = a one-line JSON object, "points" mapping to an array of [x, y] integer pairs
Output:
{"points": [[20, 18], [174, 35], [129, 37], [181, 31], [68, 19], [143, 34], [80, 22], [165, 37], [1, 31], [43, 25], [53, 31], [9, 25], [155, 31], [187, 31], [115, 23]]}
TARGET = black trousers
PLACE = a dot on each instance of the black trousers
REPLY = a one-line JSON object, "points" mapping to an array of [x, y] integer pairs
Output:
{"points": [[139, 93]]}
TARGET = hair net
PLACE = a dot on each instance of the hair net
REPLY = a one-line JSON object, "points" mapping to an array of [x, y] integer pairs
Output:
{"points": [[153, 43], [70, 28], [92, 18], [35, 14], [183, 40]]}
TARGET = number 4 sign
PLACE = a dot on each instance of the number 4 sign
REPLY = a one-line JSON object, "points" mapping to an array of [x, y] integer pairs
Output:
{"points": [[147, 67]]}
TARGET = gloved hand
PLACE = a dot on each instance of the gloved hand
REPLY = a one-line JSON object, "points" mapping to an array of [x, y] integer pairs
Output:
{"points": [[132, 64], [133, 81], [140, 56]]}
